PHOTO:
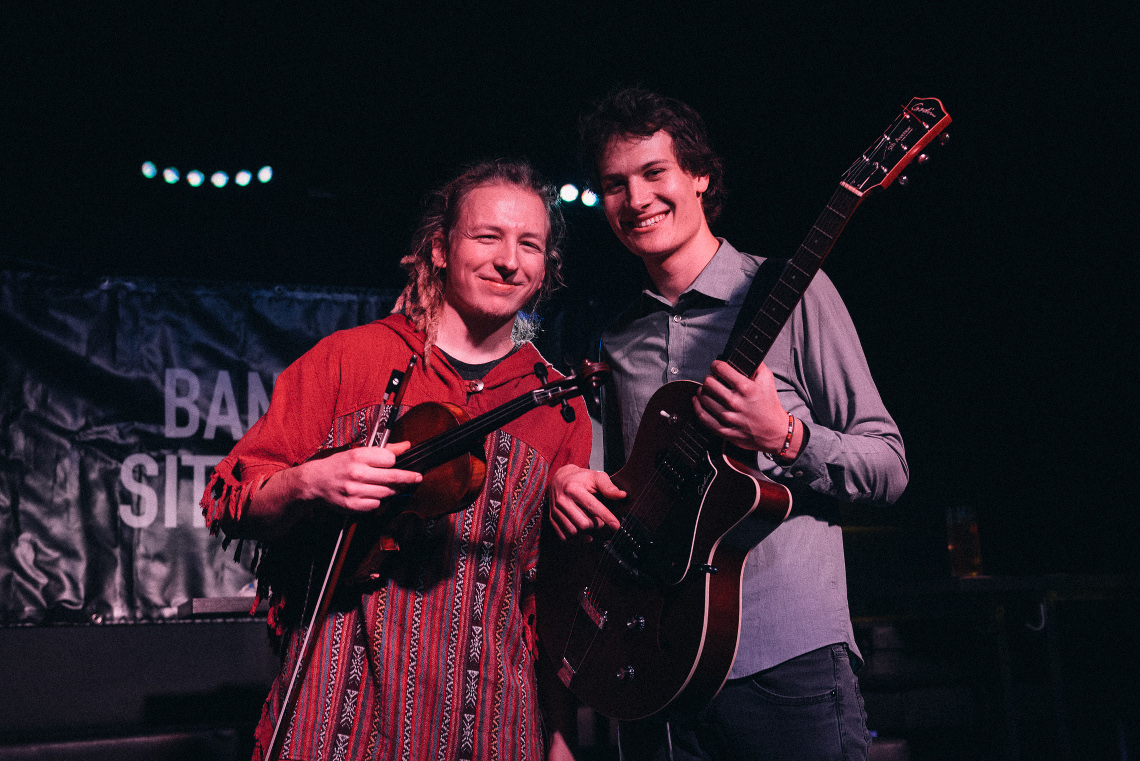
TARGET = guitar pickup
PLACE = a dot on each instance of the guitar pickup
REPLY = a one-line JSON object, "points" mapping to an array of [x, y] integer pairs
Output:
{"points": [[587, 604]]}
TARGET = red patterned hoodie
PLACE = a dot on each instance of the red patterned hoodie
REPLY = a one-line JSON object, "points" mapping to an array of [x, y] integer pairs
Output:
{"points": [[435, 660]]}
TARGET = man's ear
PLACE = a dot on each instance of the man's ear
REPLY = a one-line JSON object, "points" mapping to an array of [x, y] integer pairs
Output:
{"points": [[438, 252]]}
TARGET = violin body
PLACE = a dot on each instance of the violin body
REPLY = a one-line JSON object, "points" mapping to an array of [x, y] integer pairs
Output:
{"points": [[451, 485], [448, 449], [447, 487]]}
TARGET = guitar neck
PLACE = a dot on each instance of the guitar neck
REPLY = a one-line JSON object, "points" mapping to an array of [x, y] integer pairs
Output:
{"points": [[756, 339], [919, 123]]}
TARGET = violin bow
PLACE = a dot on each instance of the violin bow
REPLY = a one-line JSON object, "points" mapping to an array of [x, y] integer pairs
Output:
{"points": [[378, 436]]}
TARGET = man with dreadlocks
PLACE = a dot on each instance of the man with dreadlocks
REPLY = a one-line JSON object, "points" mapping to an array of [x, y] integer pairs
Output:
{"points": [[435, 657]]}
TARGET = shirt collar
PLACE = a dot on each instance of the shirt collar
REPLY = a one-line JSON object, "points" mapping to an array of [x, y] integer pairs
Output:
{"points": [[720, 279]]}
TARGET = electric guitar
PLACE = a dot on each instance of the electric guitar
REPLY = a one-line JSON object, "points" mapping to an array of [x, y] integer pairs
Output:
{"points": [[648, 617]]}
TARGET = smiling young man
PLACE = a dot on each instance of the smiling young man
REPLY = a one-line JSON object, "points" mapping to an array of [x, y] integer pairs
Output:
{"points": [[811, 412], [433, 658]]}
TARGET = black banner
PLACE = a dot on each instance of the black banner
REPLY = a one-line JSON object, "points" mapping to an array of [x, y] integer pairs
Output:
{"points": [[118, 397]]}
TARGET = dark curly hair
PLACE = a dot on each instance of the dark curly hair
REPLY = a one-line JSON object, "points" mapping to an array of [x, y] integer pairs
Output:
{"points": [[633, 111], [422, 298]]}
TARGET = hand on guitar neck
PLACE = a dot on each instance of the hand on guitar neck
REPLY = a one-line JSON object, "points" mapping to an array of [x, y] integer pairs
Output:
{"points": [[747, 412]]}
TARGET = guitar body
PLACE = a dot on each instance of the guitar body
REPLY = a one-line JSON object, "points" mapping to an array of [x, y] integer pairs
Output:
{"points": [[642, 620]]}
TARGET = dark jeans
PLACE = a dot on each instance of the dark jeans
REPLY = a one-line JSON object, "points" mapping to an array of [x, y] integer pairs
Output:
{"points": [[806, 708]]}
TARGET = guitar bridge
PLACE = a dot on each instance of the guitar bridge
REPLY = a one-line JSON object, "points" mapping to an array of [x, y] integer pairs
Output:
{"points": [[566, 673], [587, 604]]}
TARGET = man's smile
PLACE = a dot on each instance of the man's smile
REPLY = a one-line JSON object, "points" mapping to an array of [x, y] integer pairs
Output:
{"points": [[645, 224], [501, 285]]}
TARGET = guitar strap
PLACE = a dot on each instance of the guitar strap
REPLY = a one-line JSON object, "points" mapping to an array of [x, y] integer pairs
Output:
{"points": [[763, 282]]}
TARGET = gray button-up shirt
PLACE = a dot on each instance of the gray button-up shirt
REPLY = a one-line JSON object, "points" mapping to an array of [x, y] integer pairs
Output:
{"points": [[795, 585]]}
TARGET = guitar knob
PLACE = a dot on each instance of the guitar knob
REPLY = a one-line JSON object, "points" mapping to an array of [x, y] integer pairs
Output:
{"points": [[635, 623], [624, 674]]}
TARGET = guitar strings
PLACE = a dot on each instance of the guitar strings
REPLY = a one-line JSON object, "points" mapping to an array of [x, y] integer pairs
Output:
{"points": [[603, 581]]}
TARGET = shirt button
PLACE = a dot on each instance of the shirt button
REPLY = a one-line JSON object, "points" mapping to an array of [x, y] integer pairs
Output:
{"points": [[474, 386], [676, 318], [798, 474], [673, 371]]}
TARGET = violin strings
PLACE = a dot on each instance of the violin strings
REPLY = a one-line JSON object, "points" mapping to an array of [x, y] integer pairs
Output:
{"points": [[496, 418]]}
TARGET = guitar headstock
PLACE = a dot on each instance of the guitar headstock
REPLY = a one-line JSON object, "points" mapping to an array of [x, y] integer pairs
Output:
{"points": [[921, 121]]}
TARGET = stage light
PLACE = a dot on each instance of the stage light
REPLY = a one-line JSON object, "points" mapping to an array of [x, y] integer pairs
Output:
{"points": [[568, 193], [196, 178], [589, 198]]}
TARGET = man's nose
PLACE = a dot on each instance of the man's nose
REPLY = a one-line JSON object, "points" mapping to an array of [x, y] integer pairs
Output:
{"points": [[639, 194], [507, 255]]}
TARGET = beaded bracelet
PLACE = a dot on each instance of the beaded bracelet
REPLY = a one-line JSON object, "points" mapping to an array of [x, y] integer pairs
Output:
{"points": [[788, 439]]}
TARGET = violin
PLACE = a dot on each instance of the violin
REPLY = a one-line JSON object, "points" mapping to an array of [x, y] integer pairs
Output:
{"points": [[448, 449]]}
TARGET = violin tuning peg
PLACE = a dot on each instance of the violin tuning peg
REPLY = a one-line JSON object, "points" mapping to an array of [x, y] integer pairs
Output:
{"points": [[567, 412]]}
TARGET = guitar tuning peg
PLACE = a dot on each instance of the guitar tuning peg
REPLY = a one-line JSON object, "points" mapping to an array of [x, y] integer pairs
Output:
{"points": [[922, 158], [944, 138], [903, 180]]}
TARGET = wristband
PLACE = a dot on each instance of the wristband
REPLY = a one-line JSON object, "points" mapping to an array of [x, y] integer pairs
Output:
{"points": [[788, 440]]}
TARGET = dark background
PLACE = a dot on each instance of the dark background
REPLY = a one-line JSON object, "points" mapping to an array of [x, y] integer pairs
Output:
{"points": [[993, 295]]}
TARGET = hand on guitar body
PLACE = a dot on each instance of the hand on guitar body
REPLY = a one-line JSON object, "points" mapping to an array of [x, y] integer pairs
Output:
{"points": [[574, 508], [746, 412], [355, 480]]}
